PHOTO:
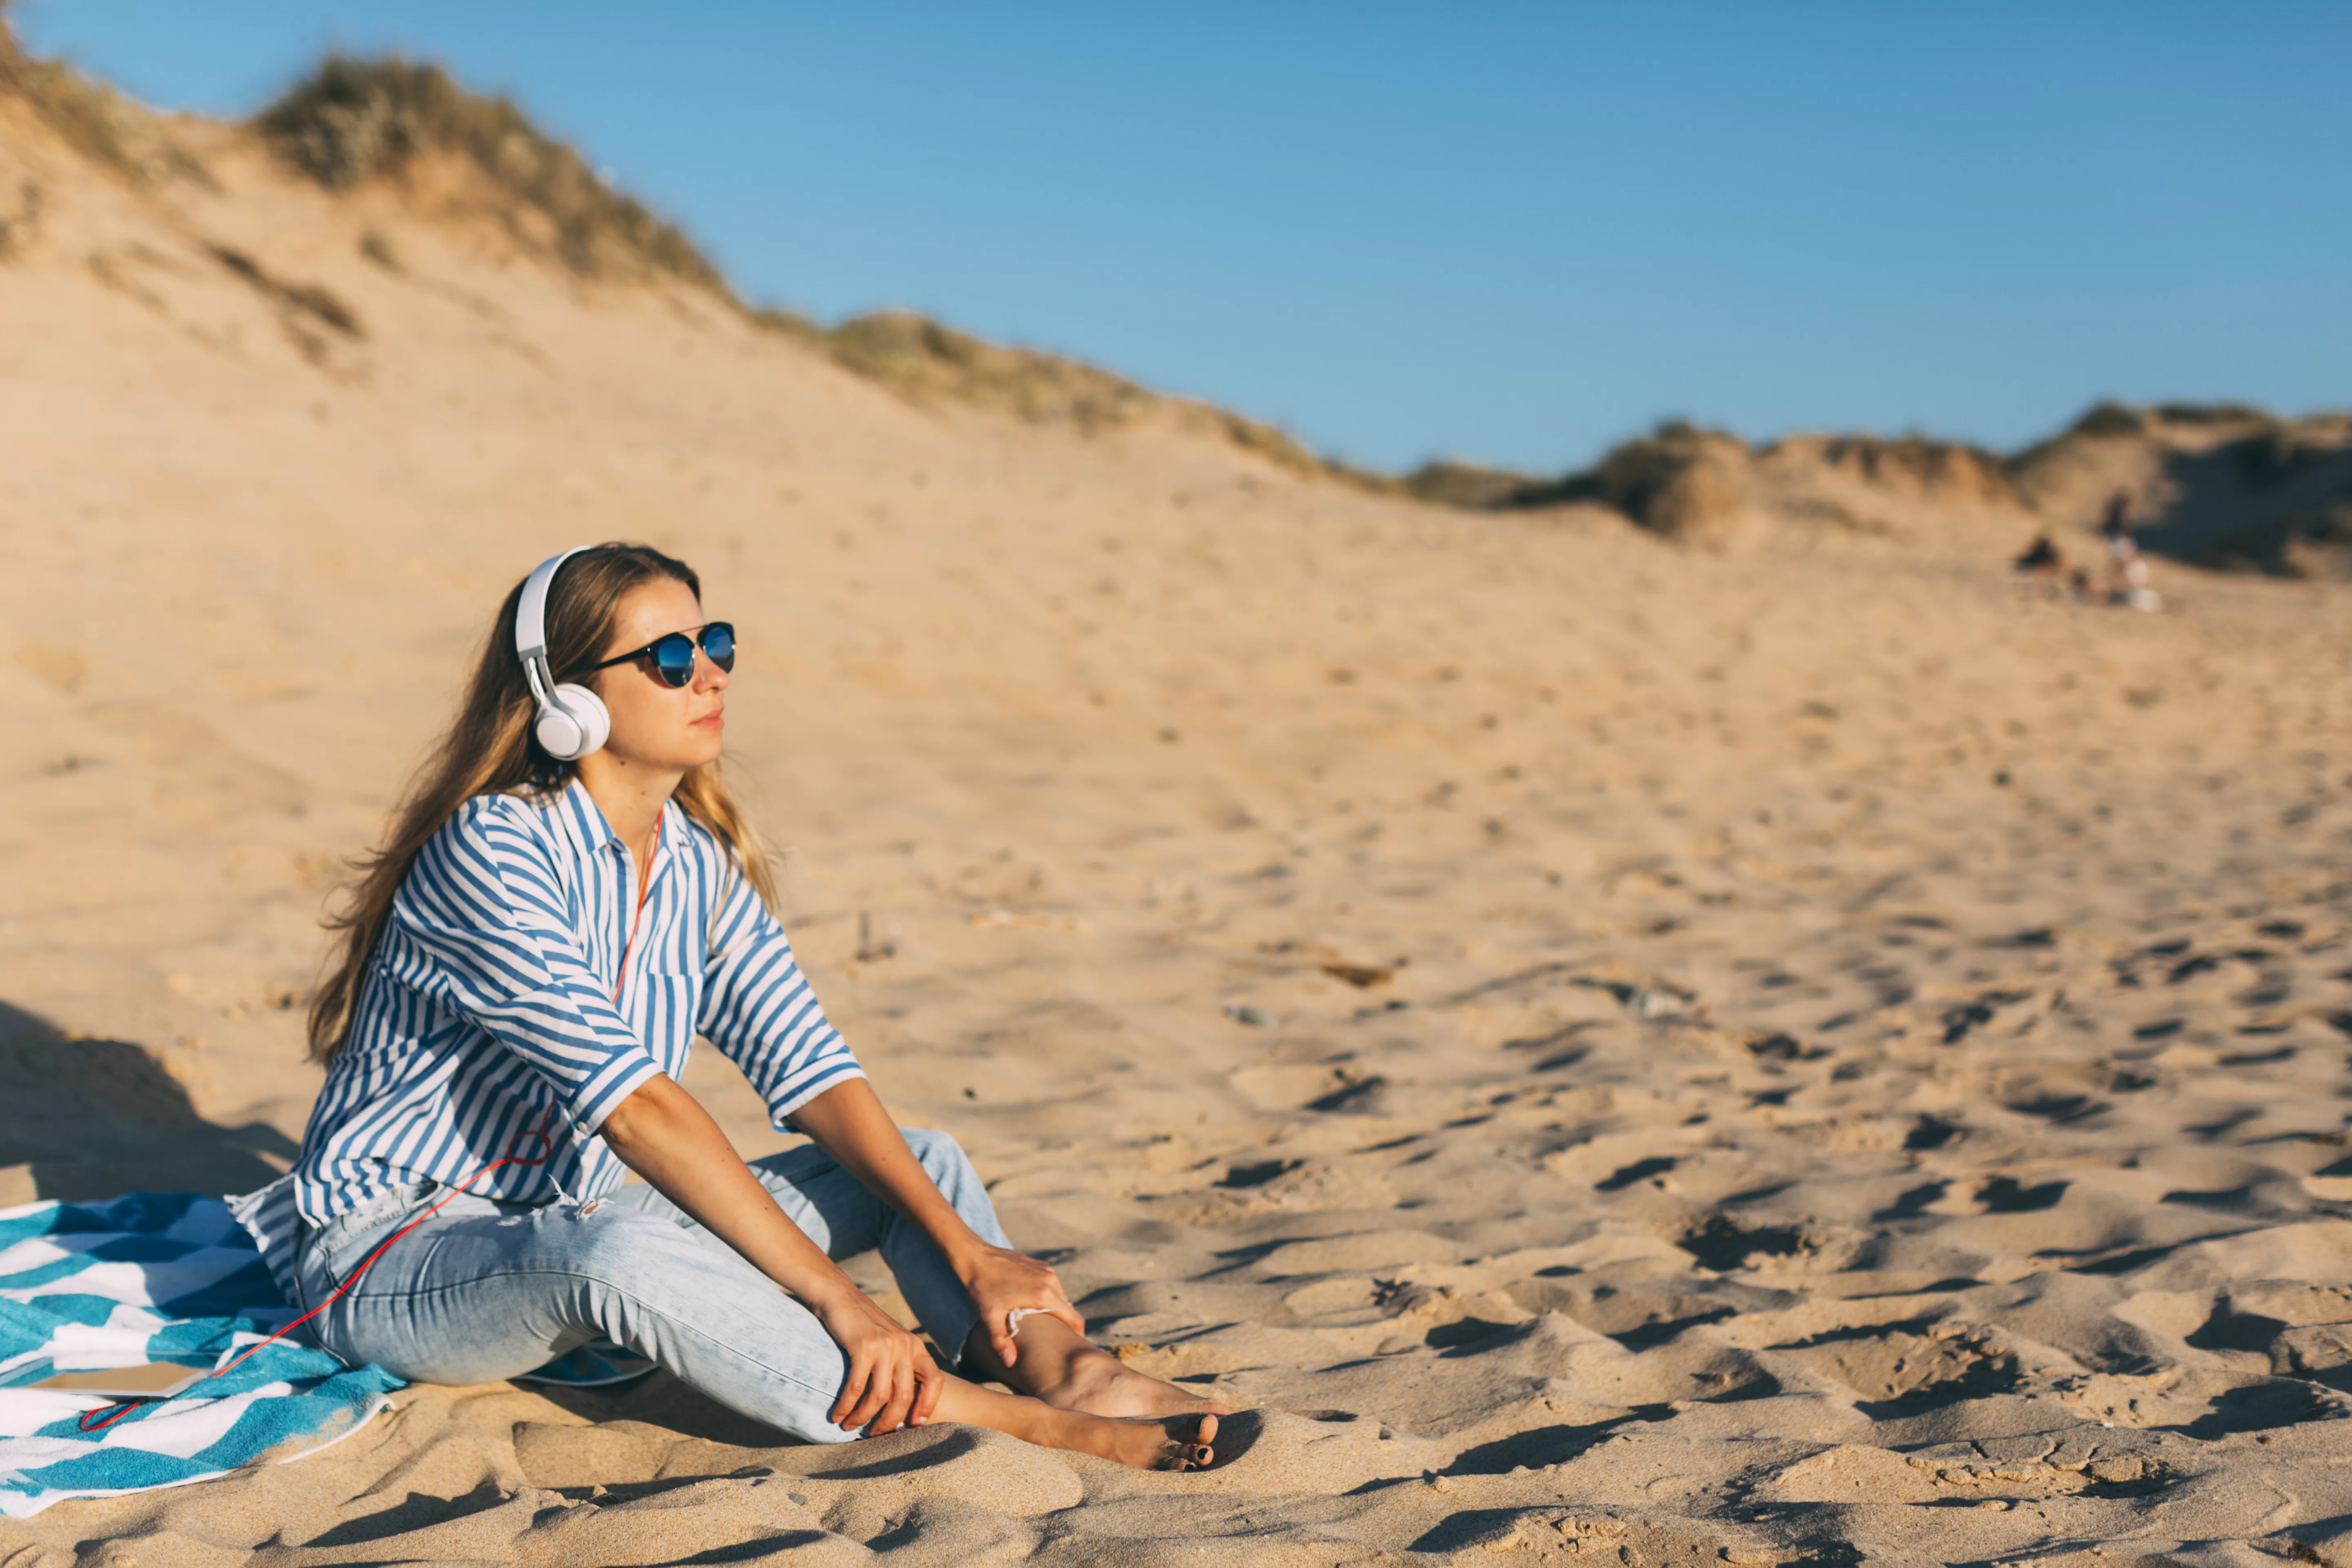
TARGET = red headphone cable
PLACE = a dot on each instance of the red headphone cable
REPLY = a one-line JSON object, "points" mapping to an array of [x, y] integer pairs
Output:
{"points": [[509, 1158]]}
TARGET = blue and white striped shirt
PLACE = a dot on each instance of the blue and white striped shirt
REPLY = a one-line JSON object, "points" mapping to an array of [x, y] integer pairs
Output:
{"points": [[523, 982]]}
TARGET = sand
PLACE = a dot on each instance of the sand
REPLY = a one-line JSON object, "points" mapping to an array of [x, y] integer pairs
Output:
{"points": [[1803, 1053]]}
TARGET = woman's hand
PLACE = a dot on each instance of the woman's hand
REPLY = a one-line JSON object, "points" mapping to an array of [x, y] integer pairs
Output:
{"points": [[663, 1135], [1001, 1281], [892, 1381], [850, 1124]]}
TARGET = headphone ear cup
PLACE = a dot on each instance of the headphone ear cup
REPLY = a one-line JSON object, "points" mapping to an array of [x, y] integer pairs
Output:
{"points": [[573, 723], [558, 733]]}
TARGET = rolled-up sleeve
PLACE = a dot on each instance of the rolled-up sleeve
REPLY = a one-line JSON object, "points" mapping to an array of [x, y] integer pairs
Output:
{"points": [[756, 1006], [485, 906]]}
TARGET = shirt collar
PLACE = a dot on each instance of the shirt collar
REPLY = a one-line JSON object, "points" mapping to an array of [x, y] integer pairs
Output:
{"points": [[588, 819]]}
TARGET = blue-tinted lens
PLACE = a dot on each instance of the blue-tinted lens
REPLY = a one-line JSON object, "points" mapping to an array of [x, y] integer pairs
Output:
{"points": [[674, 659], [718, 642]]}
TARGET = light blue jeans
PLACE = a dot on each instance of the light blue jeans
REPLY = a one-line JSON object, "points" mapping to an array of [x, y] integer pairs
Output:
{"points": [[485, 1291]]}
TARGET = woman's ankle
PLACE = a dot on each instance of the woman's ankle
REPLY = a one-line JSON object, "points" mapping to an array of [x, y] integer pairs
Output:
{"points": [[1066, 1429], [1051, 1358]]}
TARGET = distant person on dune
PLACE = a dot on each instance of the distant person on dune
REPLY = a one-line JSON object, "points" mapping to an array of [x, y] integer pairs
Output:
{"points": [[570, 895], [2042, 565], [2127, 569]]}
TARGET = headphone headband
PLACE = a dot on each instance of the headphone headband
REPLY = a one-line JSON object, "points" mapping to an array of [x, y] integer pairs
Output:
{"points": [[531, 614], [569, 722]]}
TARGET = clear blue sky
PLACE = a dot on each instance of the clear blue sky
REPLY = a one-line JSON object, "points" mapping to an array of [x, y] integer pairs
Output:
{"points": [[1508, 232]]}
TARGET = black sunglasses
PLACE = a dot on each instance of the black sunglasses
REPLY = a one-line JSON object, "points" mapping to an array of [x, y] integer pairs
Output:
{"points": [[673, 656]]}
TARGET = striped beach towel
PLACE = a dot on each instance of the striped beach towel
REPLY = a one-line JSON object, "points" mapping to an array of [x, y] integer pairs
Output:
{"points": [[152, 1278]]}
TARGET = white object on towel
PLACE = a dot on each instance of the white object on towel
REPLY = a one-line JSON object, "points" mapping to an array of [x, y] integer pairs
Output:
{"points": [[80, 1347]]}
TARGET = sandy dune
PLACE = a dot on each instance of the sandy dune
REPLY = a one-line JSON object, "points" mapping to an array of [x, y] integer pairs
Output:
{"points": [[1799, 1054]]}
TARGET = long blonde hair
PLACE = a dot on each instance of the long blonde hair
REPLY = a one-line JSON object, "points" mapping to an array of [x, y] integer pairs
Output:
{"points": [[489, 750]]}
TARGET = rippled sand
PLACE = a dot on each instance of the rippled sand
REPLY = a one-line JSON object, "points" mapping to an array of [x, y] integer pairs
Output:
{"points": [[1618, 1053]]}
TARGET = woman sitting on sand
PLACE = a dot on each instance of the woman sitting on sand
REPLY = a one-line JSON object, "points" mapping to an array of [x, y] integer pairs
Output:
{"points": [[526, 965]]}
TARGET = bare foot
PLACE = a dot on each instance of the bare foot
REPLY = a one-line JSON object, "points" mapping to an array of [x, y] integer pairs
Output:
{"points": [[1176, 1440], [1148, 1443], [1099, 1383]]}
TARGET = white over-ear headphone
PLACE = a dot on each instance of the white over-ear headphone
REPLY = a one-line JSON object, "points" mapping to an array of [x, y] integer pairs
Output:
{"points": [[571, 719]]}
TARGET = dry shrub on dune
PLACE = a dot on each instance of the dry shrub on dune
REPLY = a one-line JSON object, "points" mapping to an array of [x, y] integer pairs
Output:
{"points": [[92, 118], [1679, 481], [352, 120], [355, 120], [915, 354], [922, 359], [1449, 481]]}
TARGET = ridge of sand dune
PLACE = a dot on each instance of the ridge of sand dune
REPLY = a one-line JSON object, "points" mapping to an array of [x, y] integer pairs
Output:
{"points": [[1620, 1052], [2211, 484]]}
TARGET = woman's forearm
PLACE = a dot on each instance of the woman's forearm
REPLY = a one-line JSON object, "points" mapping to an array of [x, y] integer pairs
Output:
{"points": [[848, 1122], [663, 1135]]}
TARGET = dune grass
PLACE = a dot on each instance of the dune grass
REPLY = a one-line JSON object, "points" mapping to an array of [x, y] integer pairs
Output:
{"points": [[352, 120], [928, 362], [101, 123], [1447, 481], [1631, 477]]}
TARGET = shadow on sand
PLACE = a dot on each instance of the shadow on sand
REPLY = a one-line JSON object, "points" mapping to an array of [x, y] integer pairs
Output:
{"points": [[92, 1118], [2263, 502]]}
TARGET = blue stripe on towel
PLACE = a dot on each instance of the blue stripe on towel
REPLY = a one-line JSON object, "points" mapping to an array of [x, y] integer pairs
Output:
{"points": [[169, 1277]]}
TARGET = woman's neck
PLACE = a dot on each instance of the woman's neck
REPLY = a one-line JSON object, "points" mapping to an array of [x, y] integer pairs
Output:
{"points": [[631, 797]]}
